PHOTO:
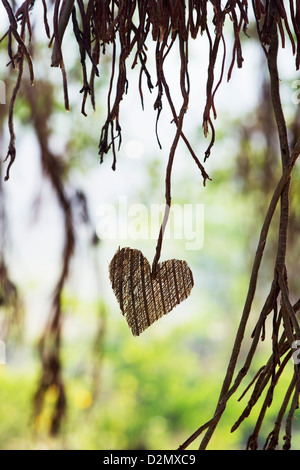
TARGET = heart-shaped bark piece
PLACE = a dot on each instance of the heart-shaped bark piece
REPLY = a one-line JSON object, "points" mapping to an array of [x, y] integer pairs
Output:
{"points": [[142, 299]]}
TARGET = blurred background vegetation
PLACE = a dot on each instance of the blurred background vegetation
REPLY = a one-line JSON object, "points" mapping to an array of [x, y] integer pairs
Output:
{"points": [[153, 391]]}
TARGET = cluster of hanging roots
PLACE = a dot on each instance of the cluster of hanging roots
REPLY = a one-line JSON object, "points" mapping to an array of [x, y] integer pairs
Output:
{"points": [[123, 28]]}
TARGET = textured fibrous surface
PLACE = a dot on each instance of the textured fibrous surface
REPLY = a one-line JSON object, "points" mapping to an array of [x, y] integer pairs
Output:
{"points": [[144, 300]]}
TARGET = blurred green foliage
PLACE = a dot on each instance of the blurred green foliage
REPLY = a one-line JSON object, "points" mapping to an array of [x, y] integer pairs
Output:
{"points": [[153, 393]]}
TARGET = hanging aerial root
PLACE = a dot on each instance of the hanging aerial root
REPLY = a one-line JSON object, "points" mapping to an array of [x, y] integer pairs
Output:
{"points": [[127, 25]]}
